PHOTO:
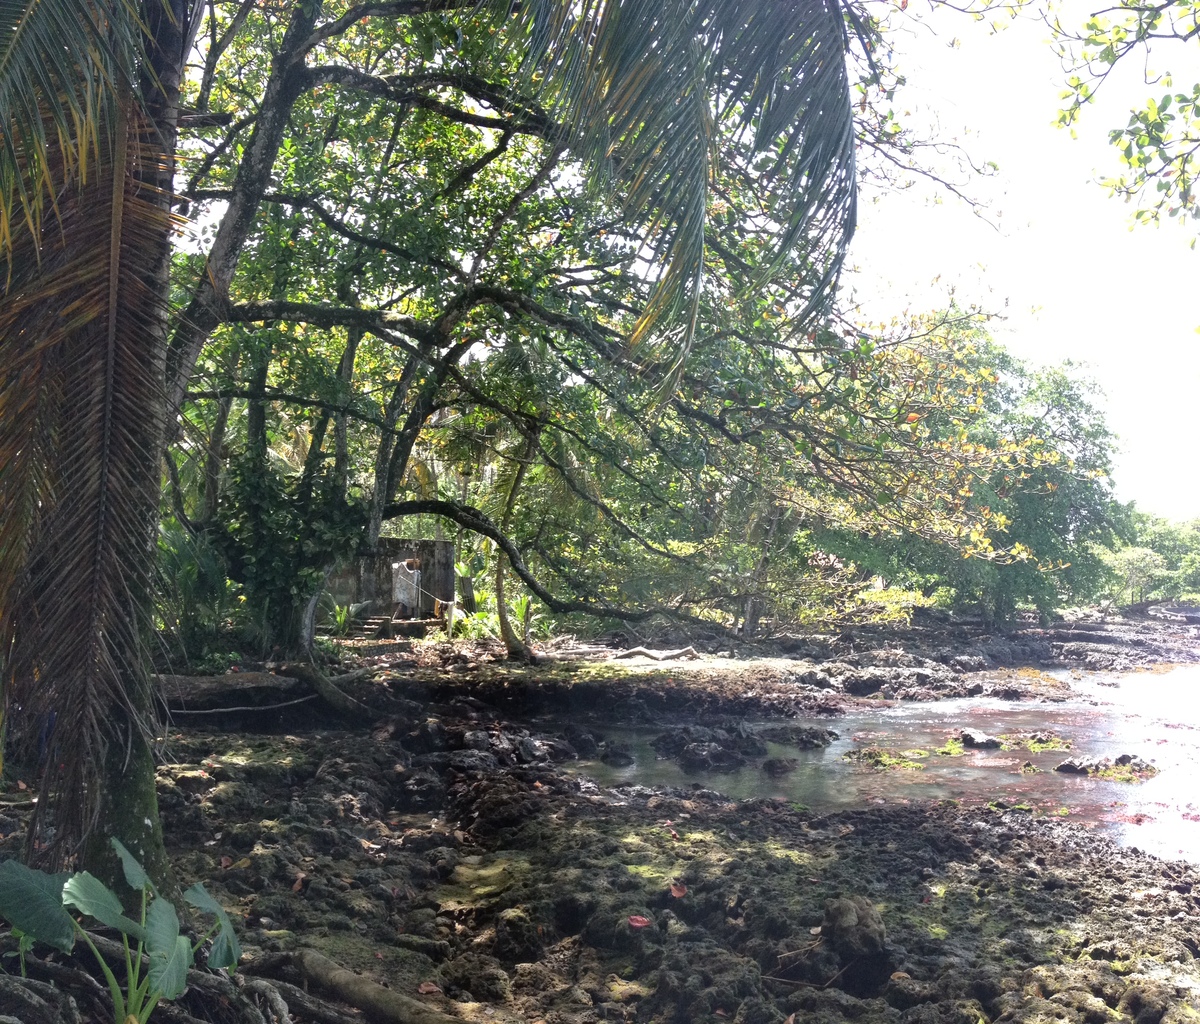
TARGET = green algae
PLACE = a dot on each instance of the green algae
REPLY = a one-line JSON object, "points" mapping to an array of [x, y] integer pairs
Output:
{"points": [[885, 760], [1035, 743]]}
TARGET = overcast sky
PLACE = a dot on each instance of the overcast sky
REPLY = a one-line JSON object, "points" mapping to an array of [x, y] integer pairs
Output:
{"points": [[1073, 281]]}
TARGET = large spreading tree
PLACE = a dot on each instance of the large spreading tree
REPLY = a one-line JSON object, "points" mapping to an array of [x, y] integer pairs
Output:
{"points": [[103, 318]]}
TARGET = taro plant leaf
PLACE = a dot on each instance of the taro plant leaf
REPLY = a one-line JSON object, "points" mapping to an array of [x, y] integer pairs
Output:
{"points": [[170, 952], [89, 895], [33, 902], [162, 928], [226, 950], [168, 974], [135, 874]]}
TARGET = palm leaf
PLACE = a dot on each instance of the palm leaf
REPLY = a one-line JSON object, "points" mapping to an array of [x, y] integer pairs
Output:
{"points": [[61, 63], [650, 89], [81, 399]]}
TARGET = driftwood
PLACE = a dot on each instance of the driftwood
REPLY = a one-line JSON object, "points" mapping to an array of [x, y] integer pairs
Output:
{"points": [[645, 652]]}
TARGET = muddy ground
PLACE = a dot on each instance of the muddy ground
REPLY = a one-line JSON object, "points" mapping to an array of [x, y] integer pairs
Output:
{"points": [[446, 851]]}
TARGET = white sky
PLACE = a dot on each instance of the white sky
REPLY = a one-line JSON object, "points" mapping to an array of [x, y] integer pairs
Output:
{"points": [[1071, 278]]}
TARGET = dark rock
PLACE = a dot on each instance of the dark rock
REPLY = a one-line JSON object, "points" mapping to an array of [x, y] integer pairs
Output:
{"points": [[1147, 1002], [517, 938], [855, 930], [1081, 766], [780, 765], [477, 739], [530, 750], [483, 977], [976, 738], [619, 755], [698, 757], [806, 737], [585, 742]]}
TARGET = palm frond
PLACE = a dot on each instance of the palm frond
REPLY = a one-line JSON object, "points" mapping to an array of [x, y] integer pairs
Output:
{"points": [[81, 328], [61, 64], [650, 89]]}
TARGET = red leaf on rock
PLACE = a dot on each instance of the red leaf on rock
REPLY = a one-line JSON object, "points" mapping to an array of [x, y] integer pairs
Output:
{"points": [[428, 988], [637, 921], [678, 890]]}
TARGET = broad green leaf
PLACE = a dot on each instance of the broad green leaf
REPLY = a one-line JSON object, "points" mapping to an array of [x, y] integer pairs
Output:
{"points": [[33, 902], [226, 950], [168, 974], [135, 874], [90, 896], [162, 928]]}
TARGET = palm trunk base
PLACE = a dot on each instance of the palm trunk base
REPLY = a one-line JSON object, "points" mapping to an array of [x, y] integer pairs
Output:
{"points": [[129, 813]]}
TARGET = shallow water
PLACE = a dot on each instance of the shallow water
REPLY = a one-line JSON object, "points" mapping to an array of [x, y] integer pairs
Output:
{"points": [[1152, 715]]}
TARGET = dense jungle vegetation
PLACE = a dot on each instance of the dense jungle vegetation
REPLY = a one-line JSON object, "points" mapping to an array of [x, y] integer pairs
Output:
{"points": [[555, 281]]}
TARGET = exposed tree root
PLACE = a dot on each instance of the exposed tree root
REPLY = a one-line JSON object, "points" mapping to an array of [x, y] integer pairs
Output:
{"points": [[646, 652], [60, 993], [294, 683], [329, 689], [380, 1005]]}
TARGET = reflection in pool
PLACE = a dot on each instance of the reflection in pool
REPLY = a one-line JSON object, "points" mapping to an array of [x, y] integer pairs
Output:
{"points": [[1152, 715]]}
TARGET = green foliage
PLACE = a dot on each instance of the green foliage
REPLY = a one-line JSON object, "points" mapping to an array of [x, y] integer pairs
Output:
{"points": [[36, 904], [1047, 497], [1158, 144], [196, 600], [278, 548], [1140, 571]]}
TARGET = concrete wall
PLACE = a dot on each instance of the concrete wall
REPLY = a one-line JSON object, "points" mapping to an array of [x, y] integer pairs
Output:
{"points": [[369, 577]]}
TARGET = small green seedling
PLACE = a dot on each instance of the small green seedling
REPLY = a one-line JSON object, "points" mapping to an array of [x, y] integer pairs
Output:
{"points": [[24, 947], [35, 904]]}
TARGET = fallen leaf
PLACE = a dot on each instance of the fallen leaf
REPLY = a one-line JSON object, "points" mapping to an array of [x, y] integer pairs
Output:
{"points": [[719, 1013], [637, 921], [428, 988], [378, 956], [226, 862], [298, 885], [678, 890]]}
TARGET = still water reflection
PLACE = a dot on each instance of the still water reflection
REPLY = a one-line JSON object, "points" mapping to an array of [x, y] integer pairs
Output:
{"points": [[1152, 715]]}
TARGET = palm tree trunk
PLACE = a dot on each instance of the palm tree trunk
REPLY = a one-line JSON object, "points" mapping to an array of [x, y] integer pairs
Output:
{"points": [[83, 323]]}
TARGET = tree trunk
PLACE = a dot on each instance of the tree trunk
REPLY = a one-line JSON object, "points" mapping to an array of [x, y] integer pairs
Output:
{"points": [[128, 812], [517, 648]]}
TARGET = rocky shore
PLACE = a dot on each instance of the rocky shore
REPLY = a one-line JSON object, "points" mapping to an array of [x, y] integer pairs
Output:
{"points": [[446, 853]]}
